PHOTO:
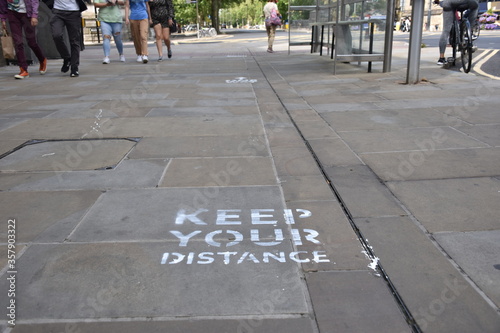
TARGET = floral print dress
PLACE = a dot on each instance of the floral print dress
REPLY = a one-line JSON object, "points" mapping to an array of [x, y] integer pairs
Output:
{"points": [[161, 11]]}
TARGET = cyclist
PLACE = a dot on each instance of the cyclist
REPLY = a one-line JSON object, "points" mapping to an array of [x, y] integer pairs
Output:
{"points": [[449, 7]]}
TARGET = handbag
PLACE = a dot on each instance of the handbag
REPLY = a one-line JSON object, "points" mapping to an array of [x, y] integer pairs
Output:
{"points": [[8, 49], [49, 3], [81, 5], [273, 19], [173, 27]]}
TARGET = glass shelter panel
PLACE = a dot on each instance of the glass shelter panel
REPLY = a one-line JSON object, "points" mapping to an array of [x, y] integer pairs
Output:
{"points": [[350, 21]]}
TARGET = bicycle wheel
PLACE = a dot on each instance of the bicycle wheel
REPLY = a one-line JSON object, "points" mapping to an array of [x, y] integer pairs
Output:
{"points": [[466, 49]]}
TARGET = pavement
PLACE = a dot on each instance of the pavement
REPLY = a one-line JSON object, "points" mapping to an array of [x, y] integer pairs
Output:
{"points": [[231, 190]]}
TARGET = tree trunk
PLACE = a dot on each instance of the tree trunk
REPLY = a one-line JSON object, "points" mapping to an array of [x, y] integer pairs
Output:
{"points": [[215, 15]]}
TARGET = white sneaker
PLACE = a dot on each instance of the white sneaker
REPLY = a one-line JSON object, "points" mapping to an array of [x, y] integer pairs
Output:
{"points": [[145, 59], [122, 58], [139, 58], [106, 60]]}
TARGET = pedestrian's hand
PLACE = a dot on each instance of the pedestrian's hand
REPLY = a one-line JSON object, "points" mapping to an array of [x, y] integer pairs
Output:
{"points": [[34, 21], [127, 21], [4, 25]]}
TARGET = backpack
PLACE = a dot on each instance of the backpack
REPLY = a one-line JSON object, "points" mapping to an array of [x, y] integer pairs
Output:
{"points": [[273, 19]]}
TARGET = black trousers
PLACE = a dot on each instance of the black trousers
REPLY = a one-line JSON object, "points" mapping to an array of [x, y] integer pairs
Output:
{"points": [[72, 21]]}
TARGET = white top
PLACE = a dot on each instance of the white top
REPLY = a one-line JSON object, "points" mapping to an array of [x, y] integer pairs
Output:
{"points": [[268, 8], [66, 5]]}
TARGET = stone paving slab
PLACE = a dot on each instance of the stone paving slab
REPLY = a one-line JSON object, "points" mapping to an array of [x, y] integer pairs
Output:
{"points": [[55, 216], [294, 161], [16, 114], [115, 216], [284, 137], [79, 114], [7, 123], [200, 146], [336, 237], [67, 155], [367, 306], [489, 133], [333, 152], [412, 139], [51, 129], [305, 188], [477, 254], [230, 171], [316, 129], [363, 192], [451, 204], [385, 119], [305, 115], [215, 325], [437, 164], [197, 110], [102, 279], [9, 145], [125, 175], [440, 299], [182, 126]]}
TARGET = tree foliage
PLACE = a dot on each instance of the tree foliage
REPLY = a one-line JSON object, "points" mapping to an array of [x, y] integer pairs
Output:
{"points": [[230, 12]]}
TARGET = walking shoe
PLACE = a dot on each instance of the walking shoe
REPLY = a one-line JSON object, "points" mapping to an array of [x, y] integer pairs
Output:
{"points": [[169, 53], [74, 71], [122, 58], [160, 58], [145, 59], [270, 50], [22, 74], [65, 66], [441, 61], [139, 58], [106, 60], [43, 66]]}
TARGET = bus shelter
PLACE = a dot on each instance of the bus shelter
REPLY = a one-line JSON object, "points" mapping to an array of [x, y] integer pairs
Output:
{"points": [[348, 30]]}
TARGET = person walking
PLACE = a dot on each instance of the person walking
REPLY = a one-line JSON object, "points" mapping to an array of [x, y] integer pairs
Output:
{"points": [[162, 14], [138, 15], [268, 9], [23, 16], [110, 18], [67, 16]]}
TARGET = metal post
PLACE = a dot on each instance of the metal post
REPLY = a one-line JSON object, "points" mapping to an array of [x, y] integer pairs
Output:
{"points": [[389, 35], [417, 20], [429, 13], [197, 20]]}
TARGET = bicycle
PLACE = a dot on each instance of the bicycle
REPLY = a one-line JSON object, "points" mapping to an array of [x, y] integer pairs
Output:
{"points": [[461, 39], [207, 32]]}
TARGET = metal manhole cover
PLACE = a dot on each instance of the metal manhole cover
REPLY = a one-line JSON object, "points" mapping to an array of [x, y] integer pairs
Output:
{"points": [[70, 155]]}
